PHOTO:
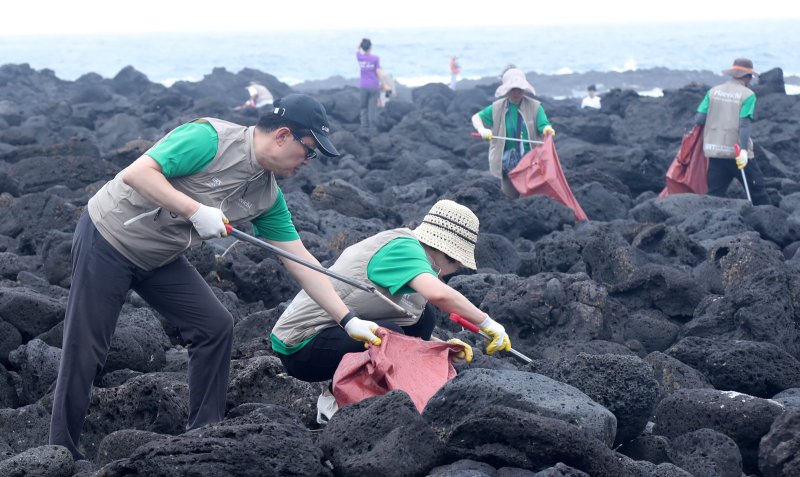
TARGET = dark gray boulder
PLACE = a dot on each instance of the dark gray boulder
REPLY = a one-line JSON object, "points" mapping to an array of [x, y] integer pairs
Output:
{"points": [[382, 435], [673, 374], [496, 252], [25, 428], [534, 442], [262, 379], [268, 442], [44, 461], [139, 343], [37, 364], [653, 329], [745, 419], [749, 367], [121, 444], [622, 384], [463, 468], [779, 451], [529, 393], [29, 312], [706, 452], [150, 402]]}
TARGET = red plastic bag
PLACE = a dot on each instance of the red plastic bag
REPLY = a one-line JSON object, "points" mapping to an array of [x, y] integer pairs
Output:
{"points": [[688, 172], [539, 172], [418, 367]]}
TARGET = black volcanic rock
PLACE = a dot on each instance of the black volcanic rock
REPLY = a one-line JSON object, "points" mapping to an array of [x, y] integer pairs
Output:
{"points": [[704, 289]]}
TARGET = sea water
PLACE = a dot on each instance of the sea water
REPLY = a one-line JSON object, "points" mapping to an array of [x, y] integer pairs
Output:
{"points": [[418, 56]]}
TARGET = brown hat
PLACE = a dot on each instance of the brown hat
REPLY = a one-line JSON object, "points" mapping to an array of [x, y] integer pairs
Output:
{"points": [[741, 68]]}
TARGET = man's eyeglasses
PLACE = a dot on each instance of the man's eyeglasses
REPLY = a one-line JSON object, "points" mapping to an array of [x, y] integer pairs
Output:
{"points": [[311, 154]]}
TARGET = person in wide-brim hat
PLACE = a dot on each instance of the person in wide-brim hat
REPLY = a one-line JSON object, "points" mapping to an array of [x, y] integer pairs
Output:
{"points": [[726, 114], [514, 114], [741, 68], [405, 266]]}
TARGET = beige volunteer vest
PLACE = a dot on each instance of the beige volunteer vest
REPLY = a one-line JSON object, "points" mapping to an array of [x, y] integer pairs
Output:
{"points": [[722, 121], [304, 318], [150, 236], [530, 109]]}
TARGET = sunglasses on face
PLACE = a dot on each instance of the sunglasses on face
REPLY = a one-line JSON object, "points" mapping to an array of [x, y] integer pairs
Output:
{"points": [[311, 154]]}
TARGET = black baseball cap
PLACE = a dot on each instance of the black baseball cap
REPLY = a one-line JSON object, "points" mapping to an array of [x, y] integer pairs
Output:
{"points": [[307, 112]]}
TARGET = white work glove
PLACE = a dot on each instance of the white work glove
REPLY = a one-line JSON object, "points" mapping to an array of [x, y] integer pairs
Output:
{"points": [[500, 341], [362, 330], [209, 222], [477, 123], [741, 159]]}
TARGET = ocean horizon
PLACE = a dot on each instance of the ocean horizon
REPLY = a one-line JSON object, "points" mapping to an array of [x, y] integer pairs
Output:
{"points": [[417, 56]]}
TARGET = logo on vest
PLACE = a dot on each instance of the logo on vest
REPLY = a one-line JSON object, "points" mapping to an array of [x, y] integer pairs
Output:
{"points": [[727, 97], [245, 204], [406, 302], [214, 183], [325, 129]]}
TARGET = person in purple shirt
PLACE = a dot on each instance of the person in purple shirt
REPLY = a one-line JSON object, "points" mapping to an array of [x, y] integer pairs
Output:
{"points": [[371, 81]]}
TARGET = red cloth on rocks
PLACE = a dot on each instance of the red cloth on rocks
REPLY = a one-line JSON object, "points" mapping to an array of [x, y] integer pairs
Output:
{"points": [[688, 172], [411, 364], [539, 172]]}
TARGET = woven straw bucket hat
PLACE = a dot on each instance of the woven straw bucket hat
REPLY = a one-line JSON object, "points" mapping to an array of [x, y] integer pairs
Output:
{"points": [[452, 229]]}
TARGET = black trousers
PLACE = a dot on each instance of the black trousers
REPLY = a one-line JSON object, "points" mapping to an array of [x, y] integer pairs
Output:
{"points": [[101, 278], [318, 360], [722, 171]]}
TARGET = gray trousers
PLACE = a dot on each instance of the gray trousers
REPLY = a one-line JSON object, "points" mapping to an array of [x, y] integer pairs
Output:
{"points": [[369, 107], [101, 278]]}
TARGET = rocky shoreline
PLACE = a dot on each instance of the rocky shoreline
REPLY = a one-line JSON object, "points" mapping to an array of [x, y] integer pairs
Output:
{"points": [[665, 333]]}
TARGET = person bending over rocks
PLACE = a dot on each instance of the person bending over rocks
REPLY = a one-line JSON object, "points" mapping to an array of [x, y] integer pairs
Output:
{"points": [[506, 117], [405, 266], [135, 229]]}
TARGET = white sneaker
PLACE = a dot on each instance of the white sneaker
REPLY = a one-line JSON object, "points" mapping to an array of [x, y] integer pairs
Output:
{"points": [[326, 406]]}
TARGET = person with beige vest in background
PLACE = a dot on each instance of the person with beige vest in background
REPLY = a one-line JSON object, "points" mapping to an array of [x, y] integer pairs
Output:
{"points": [[727, 113], [134, 230], [406, 267], [514, 115]]}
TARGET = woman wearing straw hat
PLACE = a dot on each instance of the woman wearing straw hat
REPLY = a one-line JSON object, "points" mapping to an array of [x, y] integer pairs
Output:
{"points": [[727, 111], [503, 118], [405, 266]]}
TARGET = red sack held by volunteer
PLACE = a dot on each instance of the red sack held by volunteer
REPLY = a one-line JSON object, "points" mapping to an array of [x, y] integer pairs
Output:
{"points": [[688, 172], [539, 172], [418, 367]]}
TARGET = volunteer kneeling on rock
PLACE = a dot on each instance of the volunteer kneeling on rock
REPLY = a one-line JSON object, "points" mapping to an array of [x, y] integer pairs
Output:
{"points": [[405, 266]]}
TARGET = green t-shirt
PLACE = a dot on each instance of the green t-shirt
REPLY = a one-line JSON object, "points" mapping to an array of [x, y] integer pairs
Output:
{"points": [[397, 263], [747, 110], [511, 123], [190, 148]]}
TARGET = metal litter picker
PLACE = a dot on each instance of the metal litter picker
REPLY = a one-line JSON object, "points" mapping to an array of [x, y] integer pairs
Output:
{"points": [[744, 177], [510, 139]]}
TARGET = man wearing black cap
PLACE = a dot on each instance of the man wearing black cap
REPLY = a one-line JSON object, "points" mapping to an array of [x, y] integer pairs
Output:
{"points": [[727, 111], [134, 231]]}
